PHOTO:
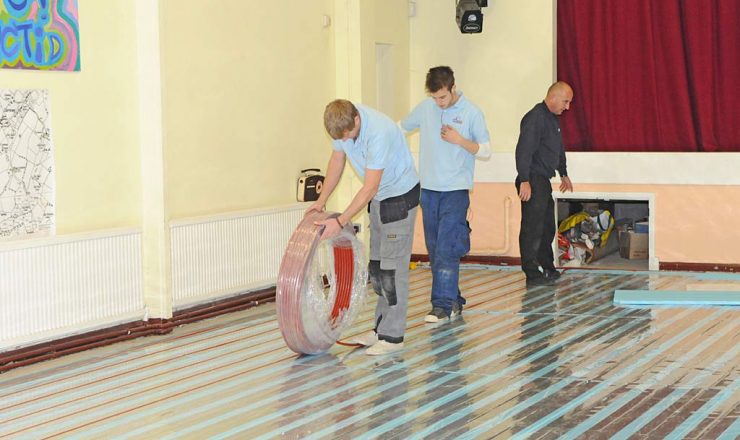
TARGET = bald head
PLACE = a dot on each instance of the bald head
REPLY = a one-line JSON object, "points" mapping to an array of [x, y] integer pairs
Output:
{"points": [[558, 98], [558, 88]]}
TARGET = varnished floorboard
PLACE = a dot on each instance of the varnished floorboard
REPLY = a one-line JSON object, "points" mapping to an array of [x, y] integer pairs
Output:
{"points": [[551, 362]]}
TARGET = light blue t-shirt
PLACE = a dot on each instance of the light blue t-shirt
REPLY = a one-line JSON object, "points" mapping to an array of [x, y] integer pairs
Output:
{"points": [[381, 145], [444, 166]]}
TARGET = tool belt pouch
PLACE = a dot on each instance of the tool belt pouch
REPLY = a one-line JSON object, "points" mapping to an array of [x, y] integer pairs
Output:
{"points": [[397, 208]]}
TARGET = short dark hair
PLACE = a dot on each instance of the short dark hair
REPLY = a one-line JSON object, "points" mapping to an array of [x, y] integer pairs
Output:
{"points": [[440, 77]]}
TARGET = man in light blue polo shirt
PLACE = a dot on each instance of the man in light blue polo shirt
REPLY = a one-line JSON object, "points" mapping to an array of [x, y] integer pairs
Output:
{"points": [[453, 135], [378, 152]]}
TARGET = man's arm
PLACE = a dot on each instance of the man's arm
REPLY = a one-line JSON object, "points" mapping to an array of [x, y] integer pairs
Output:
{"points": [[525, 147], [484, 151], [451, 135], [479, 144], [565, 183], [529, 138], [362, 198], [563, 164], [403, 130], [412, 121]]}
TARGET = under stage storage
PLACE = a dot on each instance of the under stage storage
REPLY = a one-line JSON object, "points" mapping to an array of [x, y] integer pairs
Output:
{"points": [[605, 230]]}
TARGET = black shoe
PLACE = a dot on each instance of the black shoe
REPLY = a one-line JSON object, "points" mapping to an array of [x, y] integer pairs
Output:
{"points": [[456, 310], [437, 314], [553, 274], [540, 281]]}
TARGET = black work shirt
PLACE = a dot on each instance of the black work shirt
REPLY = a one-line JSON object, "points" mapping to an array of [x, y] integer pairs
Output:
{"points": [[540, 147]]}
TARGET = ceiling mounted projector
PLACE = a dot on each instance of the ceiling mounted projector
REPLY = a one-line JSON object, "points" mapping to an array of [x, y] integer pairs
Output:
{"points": [[469, 16]]}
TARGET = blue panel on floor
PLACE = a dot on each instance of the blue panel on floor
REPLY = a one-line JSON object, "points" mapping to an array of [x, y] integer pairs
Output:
{"points": [[718, 276], [672, 297]]}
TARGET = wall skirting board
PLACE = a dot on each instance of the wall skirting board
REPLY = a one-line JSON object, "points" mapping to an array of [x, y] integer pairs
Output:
{"points": [[699, 267], [123, 332], [491, 260], [504, 260]]}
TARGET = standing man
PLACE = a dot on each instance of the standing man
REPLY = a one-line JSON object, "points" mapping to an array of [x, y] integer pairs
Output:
{"points": [[378, 152], [453, 134], [539, 152]]}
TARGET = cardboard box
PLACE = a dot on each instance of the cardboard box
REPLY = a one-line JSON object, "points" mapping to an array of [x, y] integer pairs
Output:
{"points": [[633, 245]]}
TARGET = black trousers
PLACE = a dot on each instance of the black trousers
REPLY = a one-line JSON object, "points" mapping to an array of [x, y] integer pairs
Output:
{"points": [[538, 227]]}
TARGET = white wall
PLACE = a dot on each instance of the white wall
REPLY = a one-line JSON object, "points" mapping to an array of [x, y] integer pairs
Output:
{"points": [[245, 85], [505, 70]]}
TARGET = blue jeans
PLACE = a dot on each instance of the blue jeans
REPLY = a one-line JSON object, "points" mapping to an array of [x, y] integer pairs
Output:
{"points": [[447, 237]]}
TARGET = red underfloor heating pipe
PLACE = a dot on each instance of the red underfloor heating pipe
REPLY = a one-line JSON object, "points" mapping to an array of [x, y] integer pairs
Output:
{"points": [[321, 286]]}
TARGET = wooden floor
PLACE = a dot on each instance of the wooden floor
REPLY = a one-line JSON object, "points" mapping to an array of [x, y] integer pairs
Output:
{"points": [[551, 362]]}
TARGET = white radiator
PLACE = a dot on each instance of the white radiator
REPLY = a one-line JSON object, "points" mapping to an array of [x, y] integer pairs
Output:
{"points": [[52, 287], [220, 256]]}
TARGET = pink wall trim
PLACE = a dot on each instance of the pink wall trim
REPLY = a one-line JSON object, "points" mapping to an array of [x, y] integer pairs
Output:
{"points": [[693, 223]]}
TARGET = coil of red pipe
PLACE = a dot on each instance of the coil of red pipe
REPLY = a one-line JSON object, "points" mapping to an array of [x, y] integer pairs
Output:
{"points": [[321, 286]]}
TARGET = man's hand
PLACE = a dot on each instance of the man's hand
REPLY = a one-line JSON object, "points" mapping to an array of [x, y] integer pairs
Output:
{"points": [[449, 134], [565, 184], [331, 227], [317, 206], [525, 191]]}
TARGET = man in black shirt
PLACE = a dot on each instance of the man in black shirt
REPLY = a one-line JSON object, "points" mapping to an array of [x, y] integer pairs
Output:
{"points": [[539, 152]]}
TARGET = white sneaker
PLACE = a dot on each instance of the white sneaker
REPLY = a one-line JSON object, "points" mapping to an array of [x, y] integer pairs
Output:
{"points": [[384, 347], [369, 338]]}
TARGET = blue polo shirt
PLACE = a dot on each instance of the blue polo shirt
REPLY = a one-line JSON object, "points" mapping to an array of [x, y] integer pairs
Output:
{"points": [[381, 145], [444, 166]]}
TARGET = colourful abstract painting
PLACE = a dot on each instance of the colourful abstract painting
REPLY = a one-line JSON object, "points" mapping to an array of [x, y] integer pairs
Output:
{"points": [[39, 35]]}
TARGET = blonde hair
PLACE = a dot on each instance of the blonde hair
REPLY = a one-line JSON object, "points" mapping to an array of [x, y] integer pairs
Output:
{"points": [[339, 117]]}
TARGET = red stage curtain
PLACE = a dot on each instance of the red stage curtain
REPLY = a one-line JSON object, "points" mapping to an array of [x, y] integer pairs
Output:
{"points": [[650, 75]]}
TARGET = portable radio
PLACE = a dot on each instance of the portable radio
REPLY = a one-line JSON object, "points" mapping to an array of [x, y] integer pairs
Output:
{"points": [[310, 183]]}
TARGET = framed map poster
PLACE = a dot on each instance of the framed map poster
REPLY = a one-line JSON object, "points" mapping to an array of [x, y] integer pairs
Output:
{"points": [[26, 165]]}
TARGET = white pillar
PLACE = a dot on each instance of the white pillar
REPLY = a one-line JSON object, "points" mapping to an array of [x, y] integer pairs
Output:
{"points": [[156, 236], [348, 74]]}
